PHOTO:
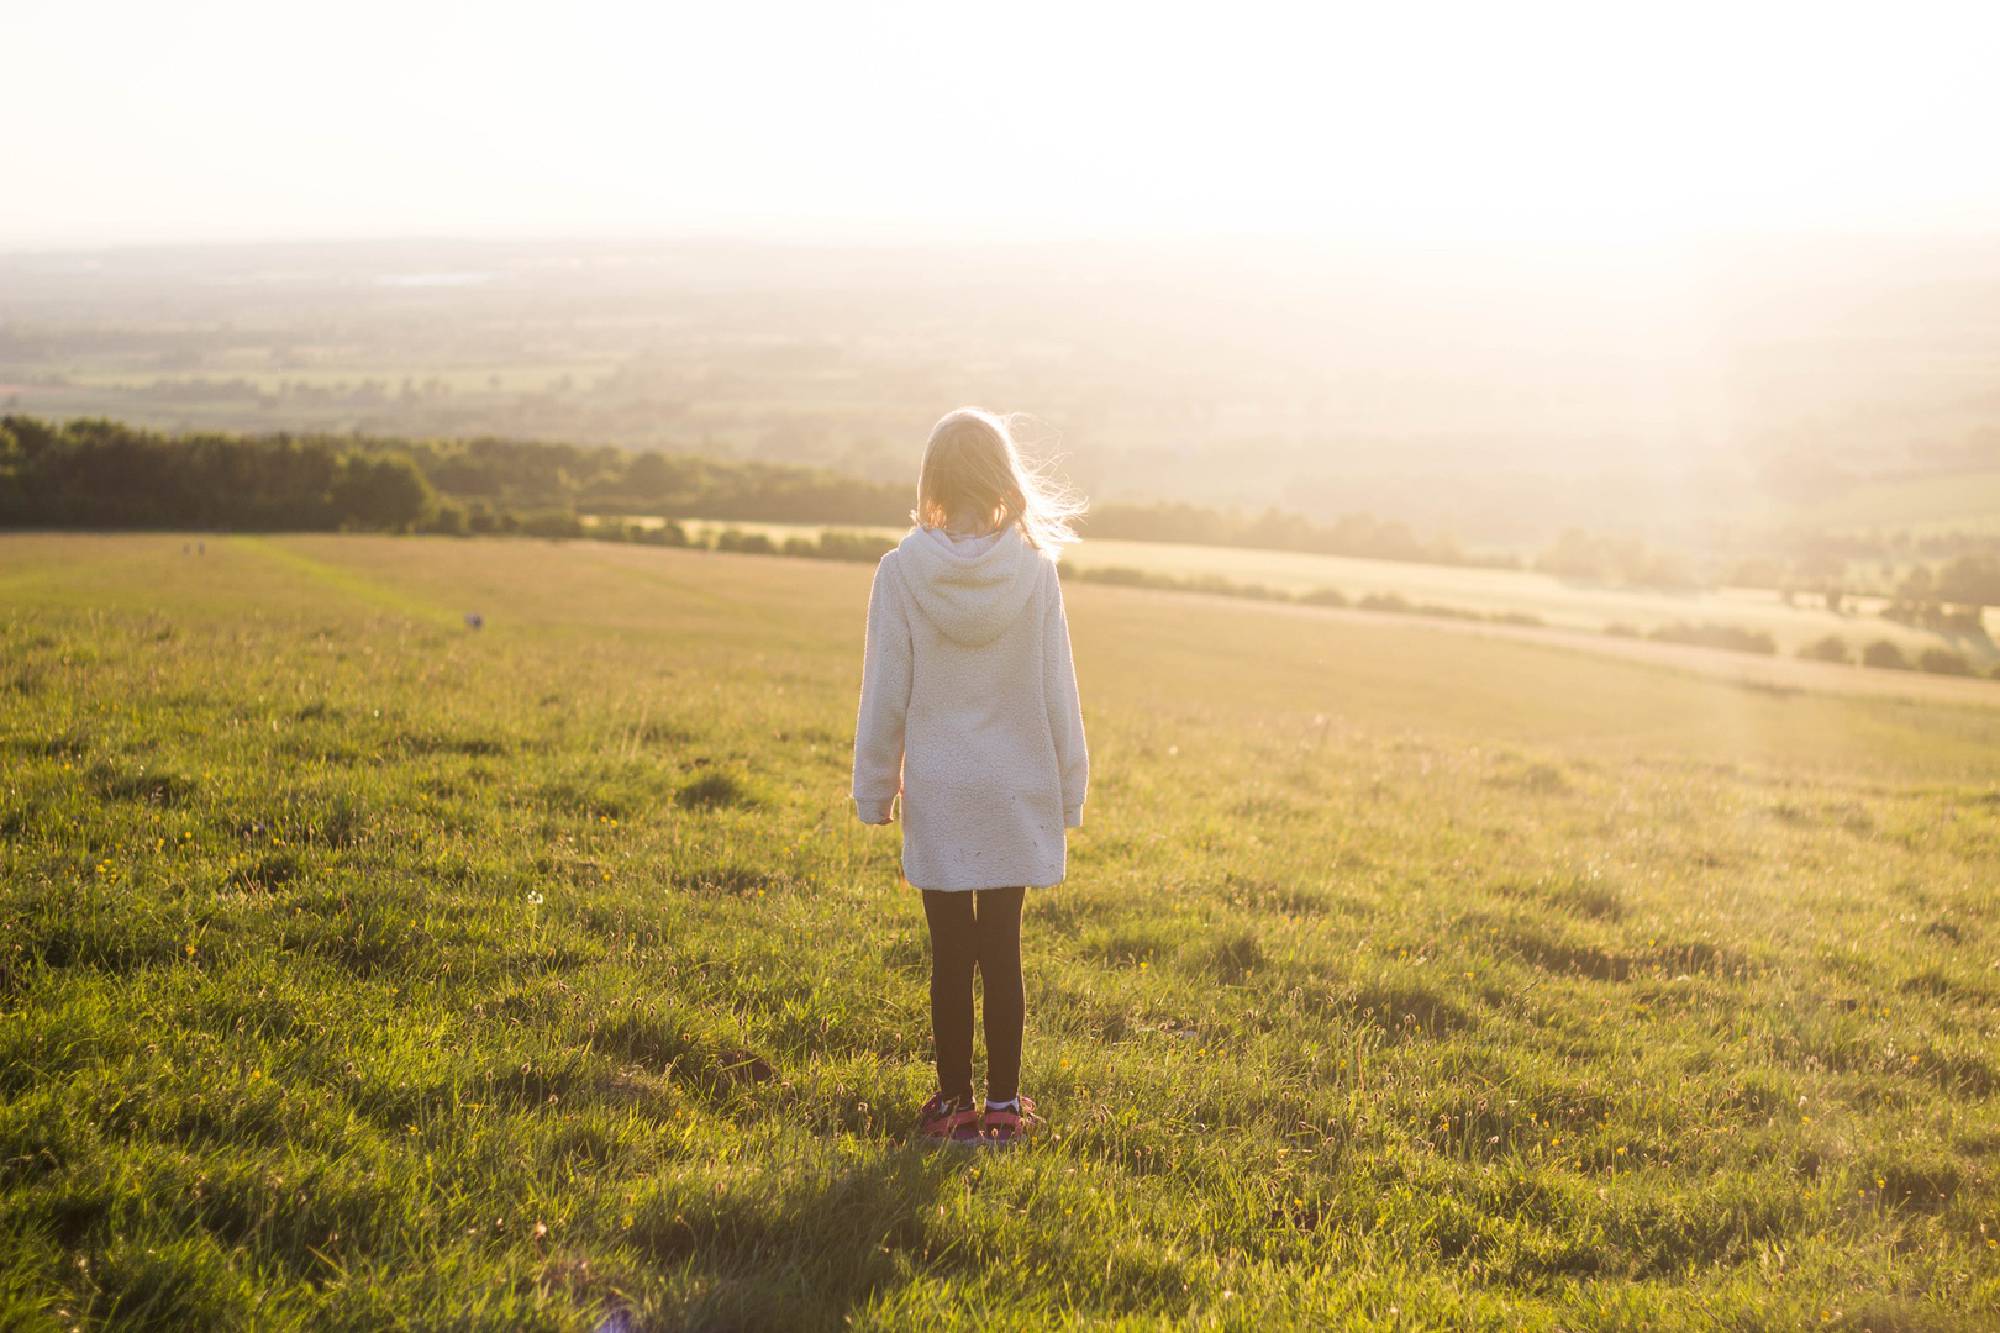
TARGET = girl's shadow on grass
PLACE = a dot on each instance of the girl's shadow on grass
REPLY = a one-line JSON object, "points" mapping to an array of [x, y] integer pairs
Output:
{"points": [[802, 1247]]}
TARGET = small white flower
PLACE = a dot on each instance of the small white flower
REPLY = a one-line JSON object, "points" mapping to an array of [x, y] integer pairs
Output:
{"points": [[534, 899]]}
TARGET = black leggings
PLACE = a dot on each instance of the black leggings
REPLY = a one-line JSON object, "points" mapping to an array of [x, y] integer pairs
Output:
{"points": [[979, 929]]}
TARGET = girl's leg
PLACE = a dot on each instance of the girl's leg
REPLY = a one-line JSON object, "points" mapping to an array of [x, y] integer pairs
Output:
{"points": [[999, 929], [954, 951]]}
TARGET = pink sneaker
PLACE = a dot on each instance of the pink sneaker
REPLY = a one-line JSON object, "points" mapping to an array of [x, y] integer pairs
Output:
{"points": [[1004, 1128], [948, 1120]]}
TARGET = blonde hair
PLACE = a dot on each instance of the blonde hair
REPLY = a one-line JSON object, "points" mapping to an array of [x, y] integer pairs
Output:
{"points": [[973, 470]]}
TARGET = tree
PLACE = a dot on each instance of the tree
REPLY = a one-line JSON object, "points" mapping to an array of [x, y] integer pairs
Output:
{"points": [[649, 475], [1943, 662], [1971, 581], [1883, 653], [1573, 555], [13, 501], [386, 492]]}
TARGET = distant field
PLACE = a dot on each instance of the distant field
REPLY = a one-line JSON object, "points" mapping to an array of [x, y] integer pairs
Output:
{"points": [[1488, 591], [1924, 505], [359, 969], [517, 377]]}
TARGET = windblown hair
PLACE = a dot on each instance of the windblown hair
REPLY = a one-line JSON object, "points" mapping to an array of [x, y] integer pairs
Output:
{"points": [[973, 472]]}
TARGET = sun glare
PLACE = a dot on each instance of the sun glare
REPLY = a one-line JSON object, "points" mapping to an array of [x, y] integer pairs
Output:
{"points": [[1593, 123], [551, 774]]}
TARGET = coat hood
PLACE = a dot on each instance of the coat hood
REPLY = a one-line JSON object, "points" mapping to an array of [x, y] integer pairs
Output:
{"points": [[972, 591]]}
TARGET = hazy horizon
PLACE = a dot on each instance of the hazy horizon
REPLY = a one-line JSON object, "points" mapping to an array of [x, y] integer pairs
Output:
{"points": [[1674, 272], [1719, 392]]}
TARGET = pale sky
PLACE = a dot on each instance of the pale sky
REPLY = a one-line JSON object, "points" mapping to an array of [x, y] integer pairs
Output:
{"points": [[246, 119]]}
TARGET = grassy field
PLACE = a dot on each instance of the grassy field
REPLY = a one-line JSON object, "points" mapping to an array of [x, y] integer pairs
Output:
{"points": [[1556, 602], [1923, 505], [359, 970]]}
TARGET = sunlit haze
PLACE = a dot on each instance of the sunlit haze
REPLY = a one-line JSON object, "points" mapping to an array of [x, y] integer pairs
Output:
{"points": [[231, 120], [1688, 272], [1428, 756]]}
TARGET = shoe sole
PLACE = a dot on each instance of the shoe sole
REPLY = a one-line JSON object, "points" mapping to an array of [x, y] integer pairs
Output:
{"points": [[947, 1141]]}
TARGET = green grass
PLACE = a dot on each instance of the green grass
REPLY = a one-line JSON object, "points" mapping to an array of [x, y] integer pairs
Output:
{"points": [[357, 969]]}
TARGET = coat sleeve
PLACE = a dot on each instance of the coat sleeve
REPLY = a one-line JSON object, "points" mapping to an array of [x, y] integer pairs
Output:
{"points": [[885, 700], [1065, 708]]}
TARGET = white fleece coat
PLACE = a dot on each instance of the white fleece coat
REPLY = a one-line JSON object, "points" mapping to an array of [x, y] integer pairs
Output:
{"points": [[969, 710]]}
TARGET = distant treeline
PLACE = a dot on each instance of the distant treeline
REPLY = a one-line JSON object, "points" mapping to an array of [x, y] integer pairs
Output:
{"points": [[95, 473], [1616, 561], [103, 474], [106, 474]]}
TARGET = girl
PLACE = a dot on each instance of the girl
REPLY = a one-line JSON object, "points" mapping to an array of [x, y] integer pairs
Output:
{"points": [[969, 712]]}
